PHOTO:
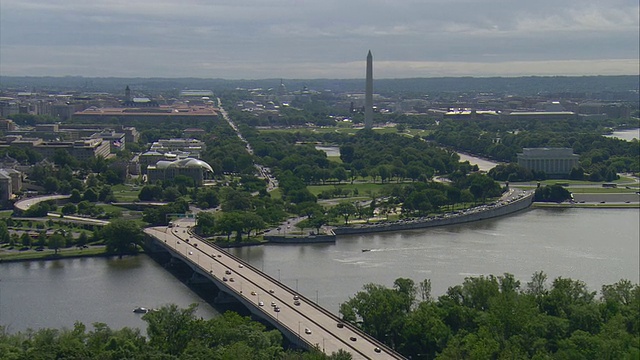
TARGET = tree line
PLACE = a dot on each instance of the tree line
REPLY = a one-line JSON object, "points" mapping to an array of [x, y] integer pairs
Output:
{"points": [[173, 333], [600, 157], [494, 317]]}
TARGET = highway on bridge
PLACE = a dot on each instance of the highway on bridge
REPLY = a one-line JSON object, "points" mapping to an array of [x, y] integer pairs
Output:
{"points": [[313, 325]]}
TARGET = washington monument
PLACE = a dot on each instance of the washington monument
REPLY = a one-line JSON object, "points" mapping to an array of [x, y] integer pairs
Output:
{"points": [[368, 94]]}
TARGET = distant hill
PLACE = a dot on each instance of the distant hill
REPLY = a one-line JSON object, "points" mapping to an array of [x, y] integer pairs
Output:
{"points": [[616, 86]]}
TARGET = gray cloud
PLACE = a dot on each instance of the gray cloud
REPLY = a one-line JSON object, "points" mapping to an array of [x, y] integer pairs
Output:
{"points": [[306, 39]]}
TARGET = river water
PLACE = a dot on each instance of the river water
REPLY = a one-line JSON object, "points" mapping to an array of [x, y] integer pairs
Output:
{"points": [[628, 135], [596, 246], [57, 293]]}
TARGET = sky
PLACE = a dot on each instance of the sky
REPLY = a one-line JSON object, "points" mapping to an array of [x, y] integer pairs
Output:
{"points": [[312, 39]]}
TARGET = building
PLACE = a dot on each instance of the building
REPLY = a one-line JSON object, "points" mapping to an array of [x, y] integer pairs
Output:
{"points": [[7, 125], [540, 115], [10, 183], [555, 162], [195, 169], [116, 140], [191, 147], [82, 150], [149, 158]]}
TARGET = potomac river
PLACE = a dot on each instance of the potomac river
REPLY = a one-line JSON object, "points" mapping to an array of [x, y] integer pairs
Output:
{"points": [[597, 246]]}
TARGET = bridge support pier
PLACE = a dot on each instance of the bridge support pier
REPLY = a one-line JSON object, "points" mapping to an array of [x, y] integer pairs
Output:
{"points": [[224, 298], [197, 278]]}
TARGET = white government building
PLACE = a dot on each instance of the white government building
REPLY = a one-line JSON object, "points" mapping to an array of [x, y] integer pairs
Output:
{"points": [[555, 162]]}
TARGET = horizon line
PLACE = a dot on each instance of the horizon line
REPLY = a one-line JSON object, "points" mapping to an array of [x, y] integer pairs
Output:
{"points": [[320, 78]]}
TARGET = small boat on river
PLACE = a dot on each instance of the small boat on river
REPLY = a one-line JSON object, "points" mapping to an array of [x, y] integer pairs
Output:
{"points": [[141, 310]]}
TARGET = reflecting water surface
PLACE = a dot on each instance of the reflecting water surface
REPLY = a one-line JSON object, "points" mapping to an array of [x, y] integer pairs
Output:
{"points": [[595, 246], [626, 134], [57, 293]]}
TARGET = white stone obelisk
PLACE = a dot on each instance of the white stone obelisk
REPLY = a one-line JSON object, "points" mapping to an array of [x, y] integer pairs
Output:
{"points": [[368, 94]]}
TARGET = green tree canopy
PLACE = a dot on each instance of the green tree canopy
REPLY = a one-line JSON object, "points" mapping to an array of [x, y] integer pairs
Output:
{"points": [[122, 237]]}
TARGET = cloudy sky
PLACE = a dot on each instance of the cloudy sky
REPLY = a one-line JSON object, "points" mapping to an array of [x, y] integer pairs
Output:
{"points": [[256, 39]]}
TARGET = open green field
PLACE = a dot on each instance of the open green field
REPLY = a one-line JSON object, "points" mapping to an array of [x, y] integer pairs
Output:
{"points": [[340, 130], [125, 193], [111, 208], [600, 190], [276, 194], [48, 254], [363, 188]]}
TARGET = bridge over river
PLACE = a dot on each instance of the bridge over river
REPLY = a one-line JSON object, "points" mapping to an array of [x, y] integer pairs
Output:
{"points": [[301, 320]]}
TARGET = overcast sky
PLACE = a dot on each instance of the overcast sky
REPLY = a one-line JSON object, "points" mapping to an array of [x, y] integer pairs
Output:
{"points": [[257, 39]]}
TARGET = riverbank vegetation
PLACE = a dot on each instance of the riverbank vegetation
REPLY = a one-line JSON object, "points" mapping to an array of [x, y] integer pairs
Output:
{"points": [[46, 240], [172, 334], [494, 317]]}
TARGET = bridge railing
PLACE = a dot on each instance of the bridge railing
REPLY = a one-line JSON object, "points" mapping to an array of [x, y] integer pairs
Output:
{"points": [[308, 301]]}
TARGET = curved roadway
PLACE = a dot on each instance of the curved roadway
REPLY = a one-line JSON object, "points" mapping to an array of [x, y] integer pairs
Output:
{"points": [[313, 325]]}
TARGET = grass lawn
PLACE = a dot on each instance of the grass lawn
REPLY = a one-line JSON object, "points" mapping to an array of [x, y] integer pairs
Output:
{"points": [[49, 254], [341, 130], [598, 190], [276, 194], [363, 188], [111, 208], [335, 159], [126, 195]]}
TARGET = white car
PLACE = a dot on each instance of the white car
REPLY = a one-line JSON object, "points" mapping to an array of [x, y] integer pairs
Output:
{"points": [[307, 331]]}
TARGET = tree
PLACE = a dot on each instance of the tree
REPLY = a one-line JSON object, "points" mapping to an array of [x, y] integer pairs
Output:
{"points": [[25, 239], [229, 222], [207, 198], [251, 221], [234, 200], [13, 240], [122, 237], [169, 328], [552, 193], [345, 210], [205, 221], [75, 197], [378, 311], [90, 195], [4, 232], [83, 239], [106, 194], [56, 241], [150, 193], [317, 222], [51, 185], [42, 239], [69, 209], [339, 173]]}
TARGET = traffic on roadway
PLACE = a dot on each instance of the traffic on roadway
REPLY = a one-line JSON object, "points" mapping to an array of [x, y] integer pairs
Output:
{"points": [[310, 324]]}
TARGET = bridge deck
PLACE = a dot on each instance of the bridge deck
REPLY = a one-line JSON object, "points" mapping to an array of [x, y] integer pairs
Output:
{"points": [[247, 281]]}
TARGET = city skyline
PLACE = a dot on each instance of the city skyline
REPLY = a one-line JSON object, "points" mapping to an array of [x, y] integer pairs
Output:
{"points": [[309, 40]]}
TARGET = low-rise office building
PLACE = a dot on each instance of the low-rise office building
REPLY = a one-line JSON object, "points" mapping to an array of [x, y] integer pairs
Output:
{"points": [[10, 184]]}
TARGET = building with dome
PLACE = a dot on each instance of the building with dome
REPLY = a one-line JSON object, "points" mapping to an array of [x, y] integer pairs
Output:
{"points": [[195, 169]]}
